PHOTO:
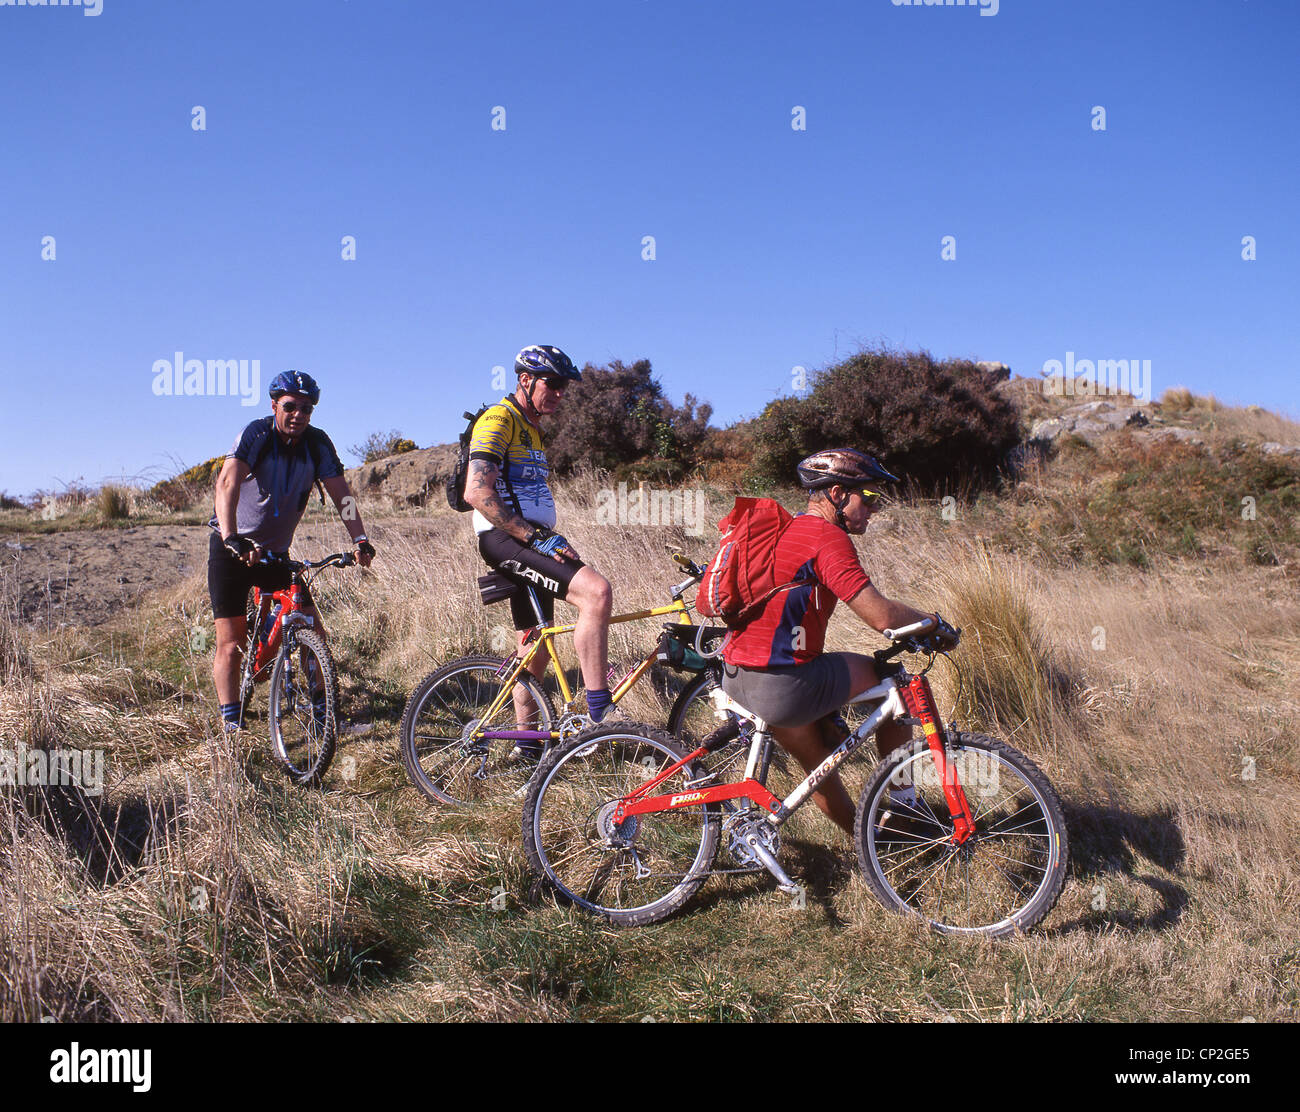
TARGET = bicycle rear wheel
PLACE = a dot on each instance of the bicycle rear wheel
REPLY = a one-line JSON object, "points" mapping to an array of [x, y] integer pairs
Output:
{"points": [[1005, 878], [303, 706], [633, 873], [443, 756]]}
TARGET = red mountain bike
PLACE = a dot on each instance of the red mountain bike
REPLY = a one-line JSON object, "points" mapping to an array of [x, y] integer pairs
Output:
{"points": [[625, 823], [302, 711]]}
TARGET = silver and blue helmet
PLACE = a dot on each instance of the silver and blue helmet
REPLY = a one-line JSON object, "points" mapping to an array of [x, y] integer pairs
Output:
{"points": [[297, 383], [544, 360]]}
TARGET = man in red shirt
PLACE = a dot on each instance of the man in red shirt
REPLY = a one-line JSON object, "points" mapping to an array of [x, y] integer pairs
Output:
{"points": [[775, 666]]}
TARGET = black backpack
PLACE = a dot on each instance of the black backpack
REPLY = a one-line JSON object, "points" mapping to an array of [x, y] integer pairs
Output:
{"points": [[456, 480]]}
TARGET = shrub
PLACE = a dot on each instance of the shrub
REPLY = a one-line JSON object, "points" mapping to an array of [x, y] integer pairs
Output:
{"points": [[618, 416], [379, 445], [114, 503], [182, 490], [941, 425]]}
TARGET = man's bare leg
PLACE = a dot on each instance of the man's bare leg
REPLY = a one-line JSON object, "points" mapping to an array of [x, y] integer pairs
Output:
{"points": [[811, 744], [591, 594]]}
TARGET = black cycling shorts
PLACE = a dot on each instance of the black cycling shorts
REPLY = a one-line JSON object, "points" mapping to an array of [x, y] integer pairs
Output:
{"points": [[229, 580], [549, 577]]}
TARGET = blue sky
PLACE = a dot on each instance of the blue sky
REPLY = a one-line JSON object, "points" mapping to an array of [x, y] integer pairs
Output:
{"points": [[624, 118]]}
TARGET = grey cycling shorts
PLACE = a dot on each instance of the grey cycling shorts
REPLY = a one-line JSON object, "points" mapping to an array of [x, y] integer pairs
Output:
{"points": [[793, 695]]}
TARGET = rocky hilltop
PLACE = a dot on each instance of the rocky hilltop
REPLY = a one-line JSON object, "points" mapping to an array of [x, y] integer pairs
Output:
{"points": [[410, 479]]}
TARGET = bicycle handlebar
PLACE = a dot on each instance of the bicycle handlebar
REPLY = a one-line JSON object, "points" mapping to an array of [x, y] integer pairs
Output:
{"points": [[902, 632], [688, 565], [915, 638], [336, 559]]}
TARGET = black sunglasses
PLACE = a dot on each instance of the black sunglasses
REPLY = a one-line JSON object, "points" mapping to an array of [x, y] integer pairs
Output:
{"points": [[294, 407], [559, 385]]}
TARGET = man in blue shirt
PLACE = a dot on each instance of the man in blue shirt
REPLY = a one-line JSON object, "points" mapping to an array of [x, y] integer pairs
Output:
{"points": [[262, 492]]}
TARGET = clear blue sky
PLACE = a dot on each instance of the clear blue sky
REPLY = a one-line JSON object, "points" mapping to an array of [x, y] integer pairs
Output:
{"points": [[624, 118]]}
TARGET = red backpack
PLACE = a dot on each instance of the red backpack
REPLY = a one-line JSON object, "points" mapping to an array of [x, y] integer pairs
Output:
{"points": [[740, 578]]}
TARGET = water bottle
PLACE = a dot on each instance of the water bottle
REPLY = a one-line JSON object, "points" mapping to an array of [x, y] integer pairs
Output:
{"points": [[269, 623]]}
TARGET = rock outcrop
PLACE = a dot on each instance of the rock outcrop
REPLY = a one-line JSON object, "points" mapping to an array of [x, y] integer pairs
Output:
{"points": [[411, 479]]}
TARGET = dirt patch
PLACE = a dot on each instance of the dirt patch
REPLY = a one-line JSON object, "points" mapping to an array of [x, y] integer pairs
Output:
{"points": [[84, 577]]}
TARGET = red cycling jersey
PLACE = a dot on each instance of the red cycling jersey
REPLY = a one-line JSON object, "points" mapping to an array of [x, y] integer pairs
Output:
{"points": [[791, 629]]}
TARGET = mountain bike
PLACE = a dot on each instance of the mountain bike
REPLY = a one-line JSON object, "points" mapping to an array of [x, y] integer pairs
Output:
{"points": [[463, 723], [626, 823], [302, 711]]}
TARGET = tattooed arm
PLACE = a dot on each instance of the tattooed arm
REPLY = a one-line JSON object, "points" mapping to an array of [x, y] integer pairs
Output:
{"points": [[481, 493]]}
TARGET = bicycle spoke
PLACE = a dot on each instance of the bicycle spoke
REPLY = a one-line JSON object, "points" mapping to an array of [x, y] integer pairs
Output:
{"points": [[639, 863], [1001, 879]]}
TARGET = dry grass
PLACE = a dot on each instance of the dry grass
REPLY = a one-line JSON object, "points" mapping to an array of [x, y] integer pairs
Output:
{"points": [[112, 504], [201, 886]]}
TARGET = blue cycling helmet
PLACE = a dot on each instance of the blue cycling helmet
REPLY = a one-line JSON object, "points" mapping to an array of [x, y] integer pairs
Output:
{"points": [[298, 384], [543, 359]]}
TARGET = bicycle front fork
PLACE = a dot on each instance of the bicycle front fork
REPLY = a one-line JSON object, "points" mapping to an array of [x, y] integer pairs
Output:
{"points": [[919, 700]]}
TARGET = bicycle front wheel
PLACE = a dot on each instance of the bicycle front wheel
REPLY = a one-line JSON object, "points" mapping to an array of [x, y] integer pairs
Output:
{"points": [[443, 750], [634, 872], [1006, 877], [303, 706]]}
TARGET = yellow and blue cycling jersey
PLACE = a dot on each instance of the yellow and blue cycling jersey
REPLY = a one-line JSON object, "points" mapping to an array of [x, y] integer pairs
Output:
{"points": [[505, 438]]}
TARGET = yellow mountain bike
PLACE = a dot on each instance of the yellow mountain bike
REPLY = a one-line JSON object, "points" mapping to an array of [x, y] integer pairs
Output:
{"points": [[473, 730]]}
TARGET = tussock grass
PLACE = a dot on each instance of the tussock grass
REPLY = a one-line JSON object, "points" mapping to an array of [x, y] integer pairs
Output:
{"points": [[114, 502], [1011, 682]]}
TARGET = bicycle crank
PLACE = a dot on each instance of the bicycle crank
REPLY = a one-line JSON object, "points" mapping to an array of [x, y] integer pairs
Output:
{"points": [[756, 842]]}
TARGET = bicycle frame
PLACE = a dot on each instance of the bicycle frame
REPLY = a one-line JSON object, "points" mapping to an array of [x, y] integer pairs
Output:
{"points": [[292, 614], [911, 701], [260, 652], [543, 638]]}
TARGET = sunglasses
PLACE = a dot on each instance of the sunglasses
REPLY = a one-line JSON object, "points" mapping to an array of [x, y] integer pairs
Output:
{"points": [[870, 497], [559, 385], [294, 407]]}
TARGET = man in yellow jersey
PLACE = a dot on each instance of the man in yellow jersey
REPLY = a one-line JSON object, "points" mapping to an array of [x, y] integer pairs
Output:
{"points": [[514, 517]]}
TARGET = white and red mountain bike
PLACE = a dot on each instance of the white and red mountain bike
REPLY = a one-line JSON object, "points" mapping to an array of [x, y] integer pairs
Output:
{"points": [[625, 823]]}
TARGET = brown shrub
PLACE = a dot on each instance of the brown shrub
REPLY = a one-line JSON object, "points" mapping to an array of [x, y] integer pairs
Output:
{"points": [[943, 426]]}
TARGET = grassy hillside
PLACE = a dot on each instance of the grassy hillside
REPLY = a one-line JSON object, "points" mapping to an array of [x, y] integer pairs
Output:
{"points": [[1159, 694]]}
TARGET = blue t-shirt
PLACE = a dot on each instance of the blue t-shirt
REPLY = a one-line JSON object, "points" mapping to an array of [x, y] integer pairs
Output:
{"points": [[273, 497]]}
